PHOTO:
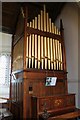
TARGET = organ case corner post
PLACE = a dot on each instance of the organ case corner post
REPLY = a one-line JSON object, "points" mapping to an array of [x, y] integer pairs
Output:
{"points": [[25, 82], [63, 46], [63, 53]]}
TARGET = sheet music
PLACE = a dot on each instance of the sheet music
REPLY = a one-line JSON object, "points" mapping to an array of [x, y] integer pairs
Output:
{"points": [[51, 81]]}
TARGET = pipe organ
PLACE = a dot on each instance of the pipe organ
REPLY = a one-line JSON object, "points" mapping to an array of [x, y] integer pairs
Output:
{"points": [[43, 52], [38, 53], [47, 52]]}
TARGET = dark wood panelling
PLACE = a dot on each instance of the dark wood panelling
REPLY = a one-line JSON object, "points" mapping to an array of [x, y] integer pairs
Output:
{"points": [[36, 86], [19, 27], [52, 104], [17, 96]]}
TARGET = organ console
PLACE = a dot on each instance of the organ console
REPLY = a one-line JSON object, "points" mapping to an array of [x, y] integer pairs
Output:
{"points": [[38, 52]]}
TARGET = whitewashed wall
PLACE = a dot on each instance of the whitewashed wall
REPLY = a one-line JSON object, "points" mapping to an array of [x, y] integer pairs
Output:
{"points": [[79, 56], [5, 43], [0, 42], [69, 15], [5, 47]]}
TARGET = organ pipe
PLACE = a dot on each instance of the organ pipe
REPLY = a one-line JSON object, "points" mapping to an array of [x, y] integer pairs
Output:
{"points": [[43, 52]]}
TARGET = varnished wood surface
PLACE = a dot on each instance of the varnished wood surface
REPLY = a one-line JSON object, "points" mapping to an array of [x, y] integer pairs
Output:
{"points": [[31, 82], [55, 105], [74, 114], [36, 81], [39, 32]]}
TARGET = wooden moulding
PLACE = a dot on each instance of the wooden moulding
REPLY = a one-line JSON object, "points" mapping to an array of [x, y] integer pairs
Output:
{"points": [[66, 116], [42, 33], [55, 105]]}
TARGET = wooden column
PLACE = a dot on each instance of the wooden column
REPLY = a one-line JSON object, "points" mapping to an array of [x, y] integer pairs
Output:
{"points": [[64, 55], [63, 46]]}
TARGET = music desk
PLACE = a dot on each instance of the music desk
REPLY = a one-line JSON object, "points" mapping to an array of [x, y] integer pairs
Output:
{"points": [[5, 114]]}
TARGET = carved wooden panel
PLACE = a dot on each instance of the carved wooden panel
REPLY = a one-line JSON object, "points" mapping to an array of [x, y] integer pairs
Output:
{"points": [[58, 103], [53, 104], [18, 55], [70, 100], [44, 104]]}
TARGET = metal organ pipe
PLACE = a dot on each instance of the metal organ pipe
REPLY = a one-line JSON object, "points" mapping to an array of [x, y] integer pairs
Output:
{"points": [[43, 52]]}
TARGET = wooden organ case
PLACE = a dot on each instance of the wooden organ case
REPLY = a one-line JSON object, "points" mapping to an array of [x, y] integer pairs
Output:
{"points": [[38, 52]]}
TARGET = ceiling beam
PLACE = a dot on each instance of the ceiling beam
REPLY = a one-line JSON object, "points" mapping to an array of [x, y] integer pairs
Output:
{"points": [[6, 30]]}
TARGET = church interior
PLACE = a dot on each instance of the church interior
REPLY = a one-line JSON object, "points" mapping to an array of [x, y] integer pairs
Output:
{"points": [[44, 73]]}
